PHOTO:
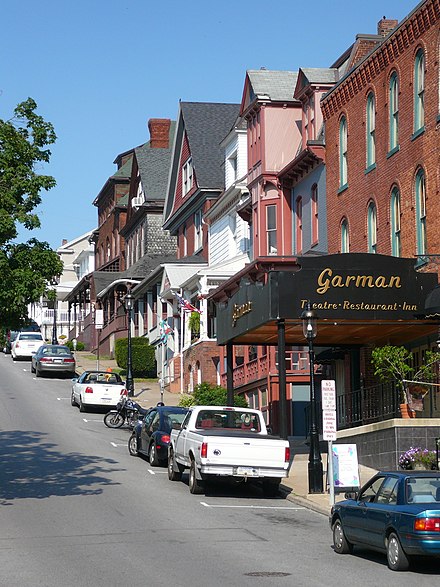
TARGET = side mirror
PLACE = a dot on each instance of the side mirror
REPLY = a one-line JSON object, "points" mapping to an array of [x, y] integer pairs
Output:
{"points": [[351, 495], [269, 429], [177, 426]]}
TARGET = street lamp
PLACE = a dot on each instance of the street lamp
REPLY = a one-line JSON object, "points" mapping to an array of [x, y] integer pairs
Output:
{"points": [[309, 320], [54, 283], [129, 304]]}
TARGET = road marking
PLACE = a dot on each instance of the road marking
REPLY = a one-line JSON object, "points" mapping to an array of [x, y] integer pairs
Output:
{"points": [[252, 507], [91, 420], [151, 472], [61, 398], [115, 445]]}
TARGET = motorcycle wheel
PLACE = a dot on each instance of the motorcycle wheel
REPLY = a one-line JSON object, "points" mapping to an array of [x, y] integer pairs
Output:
{"points": [[114, 420]]}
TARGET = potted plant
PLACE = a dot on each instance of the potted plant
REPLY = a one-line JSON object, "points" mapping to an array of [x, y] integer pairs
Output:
{"points": [[194, 325], [394, 362], [418, 458]]}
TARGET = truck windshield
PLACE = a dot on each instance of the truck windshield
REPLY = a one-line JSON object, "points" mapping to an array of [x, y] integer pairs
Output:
{"points": [[232, 420]]}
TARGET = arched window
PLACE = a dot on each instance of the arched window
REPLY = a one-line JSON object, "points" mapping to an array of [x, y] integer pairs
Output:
{"points": [[394, 111], [419, 91], [372, 227], [298, 226], [395, 222], [420, 193], [314, 213], [371, 130], [343, 172], [345, 242]]}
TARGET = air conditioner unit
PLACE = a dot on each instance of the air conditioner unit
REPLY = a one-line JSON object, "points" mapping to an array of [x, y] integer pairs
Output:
{"points": [[137, 201]]}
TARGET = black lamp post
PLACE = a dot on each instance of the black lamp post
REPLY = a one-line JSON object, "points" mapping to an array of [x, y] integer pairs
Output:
{"points": [[310, 329], [55, 305], [129, 304]]}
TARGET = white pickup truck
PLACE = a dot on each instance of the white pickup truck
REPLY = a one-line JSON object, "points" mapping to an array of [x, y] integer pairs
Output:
{"points": [[217, 441]]}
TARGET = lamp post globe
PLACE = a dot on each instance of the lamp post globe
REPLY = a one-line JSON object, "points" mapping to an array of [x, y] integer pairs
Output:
{"points": [[315, 471], [129, 304]]}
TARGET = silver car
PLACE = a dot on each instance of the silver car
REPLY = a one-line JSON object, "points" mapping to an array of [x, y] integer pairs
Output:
{"points": [[53, 358]]}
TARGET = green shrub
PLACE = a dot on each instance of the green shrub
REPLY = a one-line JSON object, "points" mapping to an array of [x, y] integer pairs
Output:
{"points": [[143, 359], [207, 394], [80, 346]]}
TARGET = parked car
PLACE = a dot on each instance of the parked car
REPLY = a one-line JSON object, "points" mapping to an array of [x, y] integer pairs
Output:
{"points": [[151, 436], [26, 344], [97, 388], [11, 335], [396, 512], [53, 358]]}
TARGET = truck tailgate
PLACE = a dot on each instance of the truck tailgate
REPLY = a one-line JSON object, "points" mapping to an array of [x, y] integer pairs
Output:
{"points": [[245, 450]]}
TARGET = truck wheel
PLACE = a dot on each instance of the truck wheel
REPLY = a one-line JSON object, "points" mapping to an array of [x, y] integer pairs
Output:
{"points": [[173, 475], [271, 487], [195, 486]]}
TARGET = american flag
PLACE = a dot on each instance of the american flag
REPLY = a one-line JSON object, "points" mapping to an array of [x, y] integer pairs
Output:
{"points": [[185, 305]]}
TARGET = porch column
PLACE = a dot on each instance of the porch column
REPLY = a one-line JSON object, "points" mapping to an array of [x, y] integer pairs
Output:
{"points": [[282, 377], [229, 374]]}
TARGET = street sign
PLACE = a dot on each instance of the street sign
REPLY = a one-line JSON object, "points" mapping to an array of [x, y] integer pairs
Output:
{"points": [[329, 425], [328, 391], [99, 319]]}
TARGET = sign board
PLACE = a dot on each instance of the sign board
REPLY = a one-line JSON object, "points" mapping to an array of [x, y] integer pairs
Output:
{"points": [[329, 425], [99, 319], [345, 467], [328, 391]]}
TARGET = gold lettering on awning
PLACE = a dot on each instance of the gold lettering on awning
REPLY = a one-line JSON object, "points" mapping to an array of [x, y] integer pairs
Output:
{"points": [[327, 280]]}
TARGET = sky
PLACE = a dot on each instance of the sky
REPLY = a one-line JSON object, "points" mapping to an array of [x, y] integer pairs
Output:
{"points": [[100, 69]]}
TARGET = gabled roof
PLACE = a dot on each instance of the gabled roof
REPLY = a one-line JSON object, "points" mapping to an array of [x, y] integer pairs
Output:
{"points": [[315, 76], [154, 167], [204, 124], [268, 85]]}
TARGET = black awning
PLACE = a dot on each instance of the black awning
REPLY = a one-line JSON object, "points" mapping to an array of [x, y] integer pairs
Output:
{"points": [[432, 303]]}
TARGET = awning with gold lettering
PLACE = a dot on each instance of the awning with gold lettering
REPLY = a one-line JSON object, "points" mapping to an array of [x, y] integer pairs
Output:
{"points": [[359, 299]]}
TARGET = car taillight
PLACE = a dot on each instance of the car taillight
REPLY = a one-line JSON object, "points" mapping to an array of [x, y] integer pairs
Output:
{"points": [[89, 390], [204, 450], [123, 392], [287, 455], [427, 524], [69, 360], [45, 360], [165, 437]]}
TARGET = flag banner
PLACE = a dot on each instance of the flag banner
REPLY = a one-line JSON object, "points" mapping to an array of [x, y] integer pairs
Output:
{"points": [[164, 330], [185, 305]]}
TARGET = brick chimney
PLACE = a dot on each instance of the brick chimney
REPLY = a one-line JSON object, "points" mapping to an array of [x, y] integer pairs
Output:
{"points": [[385, 26], [159, 133]]}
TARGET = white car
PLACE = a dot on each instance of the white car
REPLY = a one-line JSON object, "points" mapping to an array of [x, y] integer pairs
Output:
{"points": [[97, 388], [26, 344]]}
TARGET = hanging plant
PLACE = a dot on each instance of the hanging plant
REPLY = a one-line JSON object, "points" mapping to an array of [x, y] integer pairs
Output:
{"points": [[194, 324]]}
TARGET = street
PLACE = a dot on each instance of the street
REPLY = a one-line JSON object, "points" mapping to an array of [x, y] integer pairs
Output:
{"points": [[77, 510]]}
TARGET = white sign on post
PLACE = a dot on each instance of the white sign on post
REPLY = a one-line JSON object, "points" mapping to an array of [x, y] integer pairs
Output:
{"points": [[329, 424], [328, 390], [99, 319]]}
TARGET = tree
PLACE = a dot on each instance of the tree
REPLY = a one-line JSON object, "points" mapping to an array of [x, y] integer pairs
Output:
{"points": [[206, 394], [26, 268]]}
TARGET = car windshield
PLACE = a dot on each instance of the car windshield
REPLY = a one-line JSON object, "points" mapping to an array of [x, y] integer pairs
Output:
{"points": [[30, 336], [104, 378], [423, 489], [231, 419]]}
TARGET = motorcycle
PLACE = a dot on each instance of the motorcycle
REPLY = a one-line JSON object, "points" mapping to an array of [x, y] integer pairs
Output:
{"points": [[127, 410]]}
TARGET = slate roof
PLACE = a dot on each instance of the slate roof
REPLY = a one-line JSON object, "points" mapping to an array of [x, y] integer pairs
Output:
{"points": [[321, 75], [124, 171], [206, 125], [154, 166], [278, 85]]}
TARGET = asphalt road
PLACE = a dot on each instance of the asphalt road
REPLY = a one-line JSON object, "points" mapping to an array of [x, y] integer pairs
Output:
{"points": [[77, 510]]}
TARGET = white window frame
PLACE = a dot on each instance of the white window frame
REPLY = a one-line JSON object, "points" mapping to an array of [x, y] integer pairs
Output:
{"points": [[187, 176]]}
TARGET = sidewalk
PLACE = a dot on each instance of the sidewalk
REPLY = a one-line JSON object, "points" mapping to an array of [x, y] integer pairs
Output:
{"points": [[294, 487]]}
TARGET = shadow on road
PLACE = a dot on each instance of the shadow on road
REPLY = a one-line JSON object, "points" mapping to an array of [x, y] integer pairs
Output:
{"points": [[31, 467]]}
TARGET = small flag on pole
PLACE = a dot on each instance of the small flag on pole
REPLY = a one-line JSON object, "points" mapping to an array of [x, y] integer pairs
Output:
{"points": [[185, 305], [164, 330]]}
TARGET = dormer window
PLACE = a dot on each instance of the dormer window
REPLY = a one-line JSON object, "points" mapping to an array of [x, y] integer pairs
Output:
{"points": [[187, 176]]}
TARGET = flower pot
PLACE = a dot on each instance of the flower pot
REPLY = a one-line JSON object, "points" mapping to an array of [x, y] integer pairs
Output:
{"points": [[406, 411], [421, 467]]}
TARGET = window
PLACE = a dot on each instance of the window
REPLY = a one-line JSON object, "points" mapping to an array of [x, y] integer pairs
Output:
{"points": [[345, 243], [420, 193], [343, 153], [395, 222], [298, 226], [371, 131], [198, 230], [314, 211], [233, 167], [372, 228], [187, 172], [394, 112], [271, 229], [185, 242], [419, 91]]}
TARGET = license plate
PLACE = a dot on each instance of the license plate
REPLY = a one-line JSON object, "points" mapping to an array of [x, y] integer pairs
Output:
{"points": [[106, 400], [245, 471], [58, 360]]}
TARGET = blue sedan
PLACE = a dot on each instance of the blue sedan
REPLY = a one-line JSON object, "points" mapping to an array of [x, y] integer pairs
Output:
{"points": [[396, 512]]}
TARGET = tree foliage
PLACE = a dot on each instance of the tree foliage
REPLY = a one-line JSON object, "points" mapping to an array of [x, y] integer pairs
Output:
{"points": [[26, 268], [207, 394]]}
